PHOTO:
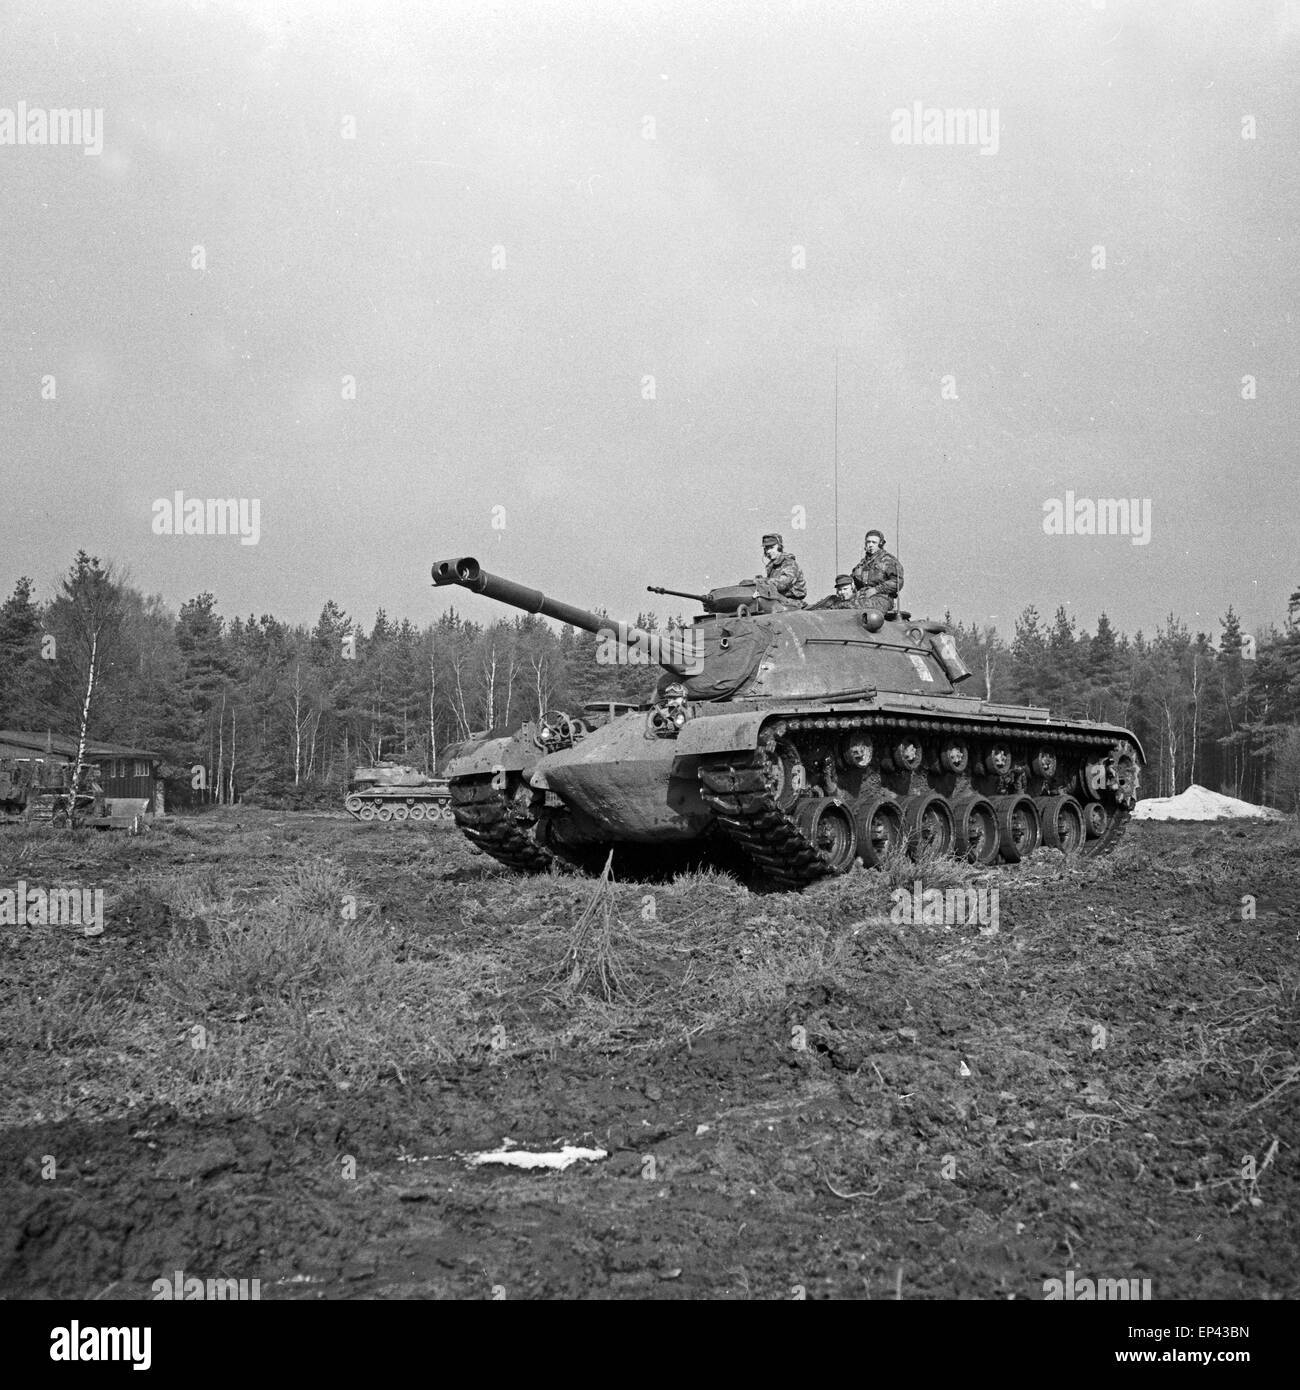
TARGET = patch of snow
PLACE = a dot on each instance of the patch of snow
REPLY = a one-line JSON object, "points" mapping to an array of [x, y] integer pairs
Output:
{"points": [[521, 1158], [1199, 803]]}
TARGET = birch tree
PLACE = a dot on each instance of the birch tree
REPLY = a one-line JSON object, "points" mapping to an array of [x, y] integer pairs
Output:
{"points": [[89, 613]]}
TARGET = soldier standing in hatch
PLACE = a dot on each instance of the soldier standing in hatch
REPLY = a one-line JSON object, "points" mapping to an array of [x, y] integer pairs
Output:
{"points": [[783, 572], [878, 576], [841, 598]]}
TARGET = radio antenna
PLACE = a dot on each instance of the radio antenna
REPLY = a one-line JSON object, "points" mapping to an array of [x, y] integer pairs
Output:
{"points": [[898, 522], [837, 460]]}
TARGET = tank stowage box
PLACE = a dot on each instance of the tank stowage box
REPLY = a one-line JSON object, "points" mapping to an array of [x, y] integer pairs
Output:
{"points": [[793, 743]]}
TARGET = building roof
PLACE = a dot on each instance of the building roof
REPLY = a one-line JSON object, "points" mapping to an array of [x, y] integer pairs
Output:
{"points": [[29, 741]]}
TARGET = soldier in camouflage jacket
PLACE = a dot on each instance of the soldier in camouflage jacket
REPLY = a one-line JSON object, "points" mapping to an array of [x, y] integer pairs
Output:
{"points": [[878, 575], [841, 598], [783, 572]]}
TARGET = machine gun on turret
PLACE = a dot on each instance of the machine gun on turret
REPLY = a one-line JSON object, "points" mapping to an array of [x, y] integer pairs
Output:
{"points": [[749, 596], [676, 593]]}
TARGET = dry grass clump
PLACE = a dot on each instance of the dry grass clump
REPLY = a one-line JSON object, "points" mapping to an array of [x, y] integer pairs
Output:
{"points": [[71, 1012], [301, 942], [718, 883], [597, 960], [900, 868], [305, 986], [699, 953]]}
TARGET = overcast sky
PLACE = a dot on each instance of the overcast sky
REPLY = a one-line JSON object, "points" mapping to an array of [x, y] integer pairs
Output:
{"points": [[592, 265]]}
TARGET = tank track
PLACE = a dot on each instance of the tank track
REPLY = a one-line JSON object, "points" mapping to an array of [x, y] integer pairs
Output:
{"points": [[737, 792], [737, 789], [1114, 833], [487, 817]]}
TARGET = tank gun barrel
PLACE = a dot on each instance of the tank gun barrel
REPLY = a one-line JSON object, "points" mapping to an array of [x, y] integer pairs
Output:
{"points": [[467, 572], [668, 651]]}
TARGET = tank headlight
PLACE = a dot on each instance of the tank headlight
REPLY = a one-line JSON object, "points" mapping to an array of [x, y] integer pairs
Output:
{"points": [[679, 718]]}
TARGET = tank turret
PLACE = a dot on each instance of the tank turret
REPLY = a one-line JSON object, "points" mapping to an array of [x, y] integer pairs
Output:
{"points": [[805, 739]]}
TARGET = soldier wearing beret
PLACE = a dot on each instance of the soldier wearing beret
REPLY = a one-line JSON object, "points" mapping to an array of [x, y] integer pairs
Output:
{"points": [[878, 576], [783, 572], [843, 595]]}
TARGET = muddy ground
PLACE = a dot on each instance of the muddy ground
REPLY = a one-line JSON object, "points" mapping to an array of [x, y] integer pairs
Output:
{"points": [[272, 1062]]}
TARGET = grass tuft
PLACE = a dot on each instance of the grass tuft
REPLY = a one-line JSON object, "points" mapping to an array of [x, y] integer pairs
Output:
{"points": [[299, 943], [594, 961], [900, 868]]}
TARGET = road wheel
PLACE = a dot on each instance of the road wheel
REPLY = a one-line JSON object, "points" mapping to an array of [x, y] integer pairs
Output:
{"points": [[1092, 780], [1062, 818], [976, 823], [417, 812], [367, 811], [384, 812], [880, 828], [401, 811], [828, 824], [928, 821], [1095, 820], [785, 774], [353, 804], [1018, 826]]}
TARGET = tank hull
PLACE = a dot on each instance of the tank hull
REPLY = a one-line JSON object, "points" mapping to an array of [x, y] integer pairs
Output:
{"points": [[747, 772]]}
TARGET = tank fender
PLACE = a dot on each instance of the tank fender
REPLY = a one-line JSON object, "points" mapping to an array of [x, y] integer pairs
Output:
{"points": [[514, 754], [721, 733], [1112, 732], [1137, 747], [731, 733]]}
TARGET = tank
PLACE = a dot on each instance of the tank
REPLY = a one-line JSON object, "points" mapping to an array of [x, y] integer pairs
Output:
{"points": [[36, 789], [791, 743], [394, 791]]}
